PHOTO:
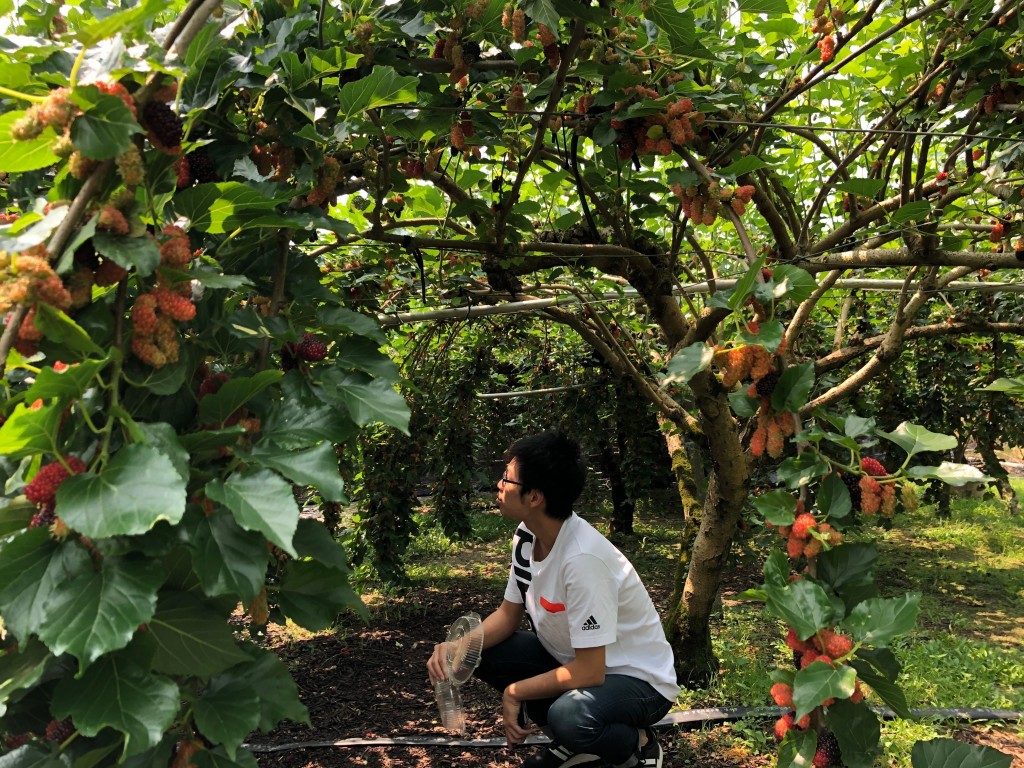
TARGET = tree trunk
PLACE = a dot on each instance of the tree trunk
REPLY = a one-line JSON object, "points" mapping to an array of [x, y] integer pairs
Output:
{"points": [[622, 507], [994, 468]]}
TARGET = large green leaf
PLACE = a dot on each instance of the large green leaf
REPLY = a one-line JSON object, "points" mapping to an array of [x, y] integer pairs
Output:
{"points": [[950, 473], [878, 620], [849, 570], [857, 730], [218, 407], [777, 507], [32, 756], [105, 130], [164, 438], [794, 386], [279, 696], [316, 466], [679, 26], [687, 363], [1010, 385], [792, 283], [313, 594], [227, 712], [343, 319], [30, 429], [137, 488], [818, 682], [312, 539], [381, 88], [20, 156], [950, 753], [139, 253], [797, 749], [801, 469], [221, 207], [218, 758], [68, 384], [298, 425], [915, 439], [803, 605], [32, 567], [99, 611], [227, 559], [122, 21], [834, 498], [370, 400], [191, 639], [118, 693], [770, 7], [260, 501], [363, 354], [15, 515], [21, 669], [62, 329], [883, 688]]}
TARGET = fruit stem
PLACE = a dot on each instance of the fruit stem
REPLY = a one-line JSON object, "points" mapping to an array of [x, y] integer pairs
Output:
{"points": [[22, 96], [73, 80]]}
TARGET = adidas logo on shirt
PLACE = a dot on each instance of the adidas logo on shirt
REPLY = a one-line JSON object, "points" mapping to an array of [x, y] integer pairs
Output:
{"points": [[590, 623]]}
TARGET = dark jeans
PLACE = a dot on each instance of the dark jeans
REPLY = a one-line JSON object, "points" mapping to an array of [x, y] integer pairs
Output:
{"points": [[601, 721]]}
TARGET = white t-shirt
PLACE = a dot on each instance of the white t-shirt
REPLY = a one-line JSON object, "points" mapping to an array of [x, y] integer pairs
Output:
{"points": [[586, 594]]}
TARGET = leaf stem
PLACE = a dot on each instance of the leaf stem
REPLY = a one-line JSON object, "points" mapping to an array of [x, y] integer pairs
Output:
{"points": [[73, 78], [23, 96]]}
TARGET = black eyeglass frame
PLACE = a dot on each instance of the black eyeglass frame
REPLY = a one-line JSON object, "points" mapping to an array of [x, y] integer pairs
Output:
{"points": [[505, 481]]}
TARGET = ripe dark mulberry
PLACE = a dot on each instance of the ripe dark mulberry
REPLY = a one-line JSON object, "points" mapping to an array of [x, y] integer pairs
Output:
{"points": [[312, 349], [44, 517], [766, 384], [827, 752], [202, 166], [59, 730], [853, 486], [163, 125]]}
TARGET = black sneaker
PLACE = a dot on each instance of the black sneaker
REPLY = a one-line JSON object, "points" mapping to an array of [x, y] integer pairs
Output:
{"points": [[651, 755], [557, 756]]}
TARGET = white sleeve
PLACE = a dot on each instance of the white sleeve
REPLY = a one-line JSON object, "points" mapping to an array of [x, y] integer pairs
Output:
{"points": [[592, 602]]}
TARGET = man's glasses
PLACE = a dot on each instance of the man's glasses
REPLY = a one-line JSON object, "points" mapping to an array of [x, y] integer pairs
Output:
{"points": [[505, 481]]}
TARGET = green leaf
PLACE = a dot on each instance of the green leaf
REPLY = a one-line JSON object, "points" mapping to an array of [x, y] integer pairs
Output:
{"points": [[777, 507], [118, 22], [69, 384], [31, 756], [769, 335], [849, 569], [952, 474], [878, 620], [228, 559], [382, 87], [687, 363], [98, 612], [31, 230], [915, 439], [858, 732], [137, 488], [119, 694], [794, 386], [32, 567], [164, 438], [950, 753], [191, 639], [881, 659], [260, 501], [542, 12], [363, 354], [745, 285], [316, 466], [799, 470], [679, 26], [818, 682], [221, 207], [797, 749], [862, 187], [21, 156], [30, 430], [342, 319], [834, 497], [792, 283], [1013, 386], [312, 539], [279, 696], [884, 688], [60, 328], [803, 605], [138, 253], [295, 425], [15, 515], [857, 426], [227, 712], [371, 400], [105, 130], [217, 758], [913, 211], [21, 669], [742, 404], [219, 406], [313, 594], [770, 7], [745, 164], [776, 570], [208, 440]]}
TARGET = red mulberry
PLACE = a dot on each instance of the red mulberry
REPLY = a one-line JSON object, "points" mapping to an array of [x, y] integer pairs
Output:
{"points": [[43, 487], [873, 467]]}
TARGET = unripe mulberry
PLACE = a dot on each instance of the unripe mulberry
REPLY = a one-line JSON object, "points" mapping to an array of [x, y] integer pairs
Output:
{"points": [[176, 307], [129, 165], [457, 137], [908, 495], [516, 102], [758, 442], [80, 166], [794, 546], [57, 111], [28, 126], [519, 25], [776, 443], [812, 548], [112, 220], [782, 694], [165, 127], [175, 251], [144, 349], [144, 319], [762, 362], [827, 46], [117, 89]]}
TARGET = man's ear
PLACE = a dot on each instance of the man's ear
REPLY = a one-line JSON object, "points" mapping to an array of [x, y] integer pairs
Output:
{"points": [[537, 498]]}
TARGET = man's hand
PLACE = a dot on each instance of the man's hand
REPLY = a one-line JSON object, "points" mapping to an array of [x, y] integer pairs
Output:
{"points": [[510, 708], [437, 664]]}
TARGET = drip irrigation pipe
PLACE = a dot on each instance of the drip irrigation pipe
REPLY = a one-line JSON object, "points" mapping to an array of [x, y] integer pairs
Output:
{"points": [[687, 720]]}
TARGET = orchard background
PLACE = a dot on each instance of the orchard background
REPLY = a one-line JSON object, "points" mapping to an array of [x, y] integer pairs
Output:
{"points": [[263, 257]]}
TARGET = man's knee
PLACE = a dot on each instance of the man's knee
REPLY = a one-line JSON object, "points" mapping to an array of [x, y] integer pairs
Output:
{"points": [[571, 718]]}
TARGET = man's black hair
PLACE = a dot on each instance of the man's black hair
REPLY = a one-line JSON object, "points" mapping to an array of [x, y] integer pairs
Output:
{"points": [[551, 463]]}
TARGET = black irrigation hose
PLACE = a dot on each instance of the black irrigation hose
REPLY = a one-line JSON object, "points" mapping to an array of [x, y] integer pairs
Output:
{"points": [[687, 719]]}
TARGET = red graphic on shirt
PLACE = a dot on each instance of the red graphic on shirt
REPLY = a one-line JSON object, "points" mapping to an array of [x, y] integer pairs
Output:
{"points": [[552, 607]]}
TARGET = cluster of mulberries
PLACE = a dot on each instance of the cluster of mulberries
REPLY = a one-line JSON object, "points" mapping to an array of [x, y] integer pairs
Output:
{"points": [[175, 250], [164, 128], [824, 24], [28, 278], [826, 646], [311, 349], [155, 340], [514, 20], [110, 219], [59, 731], [772, 430], [326, 183], [211, 384], [14, 741], [80, 166], [875, 496], [56, 111], [42, 490], [411, 167], [807, 537], [655, 134], [549, 43], [702, 203]]}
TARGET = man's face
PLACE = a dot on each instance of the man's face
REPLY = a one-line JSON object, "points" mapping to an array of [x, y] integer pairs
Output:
{"points": [[511, 501]]}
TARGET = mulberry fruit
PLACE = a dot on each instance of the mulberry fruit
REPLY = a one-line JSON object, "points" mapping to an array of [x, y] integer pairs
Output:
{"points": [[129, 165], [766, 384], [202, 166], [312, 349], [43, 488], [782, 694], [835, 645], [794, 547], [58, 110], [144, 318], [43, 518], [116, 89], [873, 467], [852, 485], [758, 442], [28, 126], [112, 220], [827, 752], [80, 166], [181, 169], [110, 273], [212, 384], [803, 524], [174, 306], [165, 127], [776, 443], [784, 725], [59, 730]]}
